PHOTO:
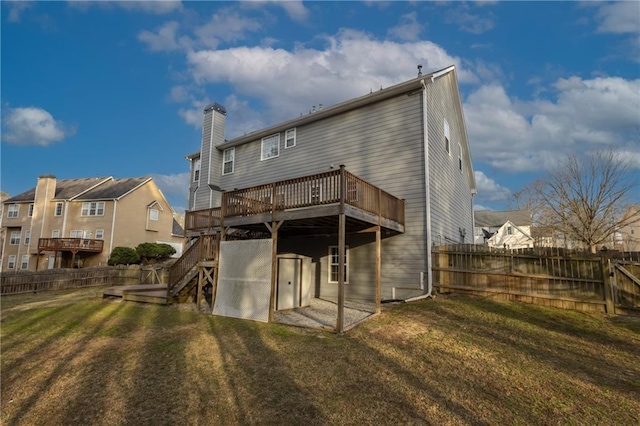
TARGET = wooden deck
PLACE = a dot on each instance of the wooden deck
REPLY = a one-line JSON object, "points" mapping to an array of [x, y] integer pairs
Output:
{"points": [[311, 201], [146, 293]]}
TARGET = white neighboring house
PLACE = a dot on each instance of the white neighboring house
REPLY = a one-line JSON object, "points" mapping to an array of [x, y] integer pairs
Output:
{"points": [[510, 236], [503, 229]]}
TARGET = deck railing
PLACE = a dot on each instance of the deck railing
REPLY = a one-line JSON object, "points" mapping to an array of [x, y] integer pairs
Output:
{"points": [[315, 190], [70, 244], [204, 248]]}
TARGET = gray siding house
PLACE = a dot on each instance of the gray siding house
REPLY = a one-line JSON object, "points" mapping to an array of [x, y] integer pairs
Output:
{"points": [[408, 141]]}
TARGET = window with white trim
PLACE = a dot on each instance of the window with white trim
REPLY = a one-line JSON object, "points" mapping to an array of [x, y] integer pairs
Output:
{"points": [[27, 236], [14, 240], [509, 230], [447, 137], [99, 234], [270, 147], [290, 138], [196, 170], [25, 262], [93, 208], [76, 233], [30, 210], [55, 233], [334, 265], [228, 161], [11, 263], [58, 211], [13, 210], [460, 157], [154, 214]]}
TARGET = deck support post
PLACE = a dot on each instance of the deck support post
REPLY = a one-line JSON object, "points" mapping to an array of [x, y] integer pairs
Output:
{"points": [[273, 228], [341, 252], [378, 268]]}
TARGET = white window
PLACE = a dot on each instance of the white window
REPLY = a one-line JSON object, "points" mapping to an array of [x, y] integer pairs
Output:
{"points": [[196, 170], [270, 147], [460, 157], [154, 214], [11, 263], [334, 258], [290, 138], [13, 210], [228, 161], [15, 238], [99, 234], [55, 233], [30, 210], [27, 236], [76, 233], [447, 137], [25, 262], [509, 230], [58, 211], [93, 208]]}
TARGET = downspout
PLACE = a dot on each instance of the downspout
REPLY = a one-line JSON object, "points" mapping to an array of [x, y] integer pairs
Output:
{"points": [[113, 226], [427, 185]]}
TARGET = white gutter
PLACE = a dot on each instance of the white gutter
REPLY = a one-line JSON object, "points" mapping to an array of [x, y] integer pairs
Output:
{"points": [[64, 218], [113, 225], [427, 185]]}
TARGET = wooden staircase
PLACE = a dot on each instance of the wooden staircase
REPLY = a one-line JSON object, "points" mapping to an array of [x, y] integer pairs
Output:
{"points": [[183, 275]]}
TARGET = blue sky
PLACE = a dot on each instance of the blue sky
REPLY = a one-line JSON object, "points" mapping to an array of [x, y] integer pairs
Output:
{"points": [[117, 88]]}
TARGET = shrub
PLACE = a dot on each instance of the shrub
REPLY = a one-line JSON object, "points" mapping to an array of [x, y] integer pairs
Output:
{"points": [[154, 252], [123, 256]]}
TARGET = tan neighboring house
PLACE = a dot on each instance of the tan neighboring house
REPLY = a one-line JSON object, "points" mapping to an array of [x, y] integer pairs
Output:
{"points": [[77, 222], [628, 237]]}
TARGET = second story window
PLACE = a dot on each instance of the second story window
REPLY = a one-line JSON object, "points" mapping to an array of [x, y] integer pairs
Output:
{"points": [[27, 236], [154, 214], [93, 209], [58, 211], [15, 238], [55, 233], [30, 211], [228, 160], [76, 233], [447, 137], [196, 170], [13, 210], [99, 234], [270, 147], [290, 138]]}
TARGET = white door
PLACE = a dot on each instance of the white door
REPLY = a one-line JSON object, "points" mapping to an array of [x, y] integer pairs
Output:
{"points": [[52, 259], [289, 274]]}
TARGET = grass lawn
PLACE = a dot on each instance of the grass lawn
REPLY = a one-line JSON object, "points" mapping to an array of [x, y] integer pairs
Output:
{"points": [[449, 360]]}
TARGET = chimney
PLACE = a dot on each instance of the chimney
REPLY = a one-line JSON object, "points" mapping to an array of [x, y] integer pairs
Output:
{"points": [[45, 192], [208, 193]]}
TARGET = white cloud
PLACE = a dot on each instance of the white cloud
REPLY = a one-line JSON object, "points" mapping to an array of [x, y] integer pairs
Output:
{"points": [[408, 29], [351, 65], [155, 7], [529, 136], [480, 207], [32, 126], [295, 9], [227, 26], [470, 21], [165, 38], [489, 189], [16, 8], [619, 17]]}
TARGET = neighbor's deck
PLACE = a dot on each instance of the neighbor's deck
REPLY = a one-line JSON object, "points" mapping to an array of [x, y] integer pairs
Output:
{"points": [[310, 203]]}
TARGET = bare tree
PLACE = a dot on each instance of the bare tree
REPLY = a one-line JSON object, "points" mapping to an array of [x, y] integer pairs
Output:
{"points": [[587, 196]]}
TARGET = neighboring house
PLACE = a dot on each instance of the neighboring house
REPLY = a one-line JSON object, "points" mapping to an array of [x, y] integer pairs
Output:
{"points": [[503, 229], [77, 222], [407, 181], [628, 236]]}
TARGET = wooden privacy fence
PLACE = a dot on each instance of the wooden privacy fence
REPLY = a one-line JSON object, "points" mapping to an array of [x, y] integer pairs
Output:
{"points": [[548, 277], [61, 279]]}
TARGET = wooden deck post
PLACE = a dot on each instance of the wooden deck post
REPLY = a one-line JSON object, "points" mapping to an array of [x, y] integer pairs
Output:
{"points": [[378, 268], [341, 253], [274, 265]]}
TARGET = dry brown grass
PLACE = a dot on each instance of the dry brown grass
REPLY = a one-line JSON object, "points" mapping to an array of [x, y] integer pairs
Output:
{"points": [[455, 360]]}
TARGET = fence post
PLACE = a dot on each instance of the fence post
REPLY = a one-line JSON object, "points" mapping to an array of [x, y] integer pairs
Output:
{"points": [[607, 276]]}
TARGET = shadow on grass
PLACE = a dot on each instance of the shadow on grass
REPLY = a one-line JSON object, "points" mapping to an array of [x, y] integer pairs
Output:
{"points": [[62, 363], [570, 346], [259, 383]]}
